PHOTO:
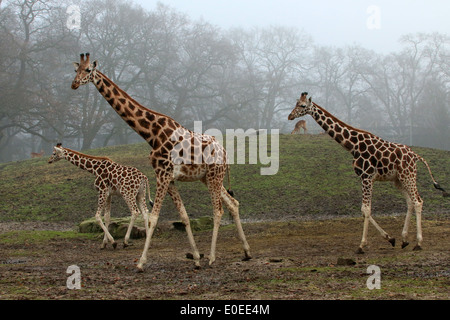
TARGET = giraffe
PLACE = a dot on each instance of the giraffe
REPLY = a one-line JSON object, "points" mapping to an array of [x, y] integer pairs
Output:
{"points": [[37, 154], [299, 125], [111, 178], [374, 159], [178, 154]]}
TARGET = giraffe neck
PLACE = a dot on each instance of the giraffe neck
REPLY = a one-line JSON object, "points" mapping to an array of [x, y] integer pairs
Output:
{"points": [[154, 127], [344, 134], [83, 161]]}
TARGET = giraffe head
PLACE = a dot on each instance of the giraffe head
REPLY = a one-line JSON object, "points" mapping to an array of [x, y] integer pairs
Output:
{"points": [[302, 107], [85, 71], [58, 153]]}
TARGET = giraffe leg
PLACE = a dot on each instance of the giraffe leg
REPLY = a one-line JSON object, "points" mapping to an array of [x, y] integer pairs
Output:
{"points": [[107, 219], [409, 211], [233, 206], [134, 215], [215, 192], [418, 209], [415, 203], [141, 201], [173, 192], [365, 209], [367, 187], [104, 205], [132, 205], [161, 191]]}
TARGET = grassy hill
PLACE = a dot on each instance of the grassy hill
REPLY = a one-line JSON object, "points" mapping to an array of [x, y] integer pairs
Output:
{"points": [[315, 179]]}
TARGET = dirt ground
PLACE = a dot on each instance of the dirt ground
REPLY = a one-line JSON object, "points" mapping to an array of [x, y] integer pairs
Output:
{"points": [[292, 260]]}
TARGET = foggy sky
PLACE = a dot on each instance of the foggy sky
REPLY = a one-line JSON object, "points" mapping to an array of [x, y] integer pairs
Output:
{"points": [[329, 22]]}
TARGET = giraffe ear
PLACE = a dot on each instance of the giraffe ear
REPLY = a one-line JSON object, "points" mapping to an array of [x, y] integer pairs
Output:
{"points": [[310, 99], [94, 64], [76, 65]]}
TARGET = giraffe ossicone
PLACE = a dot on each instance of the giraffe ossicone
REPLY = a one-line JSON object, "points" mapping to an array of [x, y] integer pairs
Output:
{"points": [[374, 159], [111, 178], [158, 129]]}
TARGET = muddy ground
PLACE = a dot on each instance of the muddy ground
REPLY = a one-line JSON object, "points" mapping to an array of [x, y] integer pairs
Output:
{"points": [[311, 259]]}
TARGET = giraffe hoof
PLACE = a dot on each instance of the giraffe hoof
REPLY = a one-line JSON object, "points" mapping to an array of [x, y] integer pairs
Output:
{"points": [[114, 244], [191, 256], [247, 258], [359, 251], [417, 248], [392, 241], [125, 245], [139, 269], [404, 244]]}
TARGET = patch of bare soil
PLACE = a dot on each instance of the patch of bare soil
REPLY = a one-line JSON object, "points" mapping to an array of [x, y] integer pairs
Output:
{"points": [[291, 261]]}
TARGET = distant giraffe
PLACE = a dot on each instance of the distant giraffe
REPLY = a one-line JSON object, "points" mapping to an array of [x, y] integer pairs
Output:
{"points": [[178, 154], [374, 159], [37, 155], [300, 125], [111, 178]]}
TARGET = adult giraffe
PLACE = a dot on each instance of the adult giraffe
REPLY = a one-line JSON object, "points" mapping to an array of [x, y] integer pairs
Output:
{"points": [[178, 154], [374, 159]]}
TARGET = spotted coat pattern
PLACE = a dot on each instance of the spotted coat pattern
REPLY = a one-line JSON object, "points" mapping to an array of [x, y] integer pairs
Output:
{"points": [[111, 178], [374, 159], [202, 157]]}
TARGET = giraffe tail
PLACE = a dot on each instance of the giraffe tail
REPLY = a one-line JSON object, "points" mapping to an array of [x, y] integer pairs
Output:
{"points": [[435, 183], [149, 196], [230, 192]]}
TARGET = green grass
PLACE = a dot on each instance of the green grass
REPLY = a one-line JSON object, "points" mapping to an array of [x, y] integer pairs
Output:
{"points": [[315, 177], [41, 236]]}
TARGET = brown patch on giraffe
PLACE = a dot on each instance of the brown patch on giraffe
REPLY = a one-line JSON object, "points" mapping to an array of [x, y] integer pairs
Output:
{"points": [[371, 149], [346, 134], [162, 122], [348, 145], [171, 124], [150, 116], [168, 132], [156, 128], [144, 123], [131, 123]]}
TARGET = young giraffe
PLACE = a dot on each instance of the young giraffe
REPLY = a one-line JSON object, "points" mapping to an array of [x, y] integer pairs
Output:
{"points": [[374, 160], [178, 154], [111, 178], [299, 125]]}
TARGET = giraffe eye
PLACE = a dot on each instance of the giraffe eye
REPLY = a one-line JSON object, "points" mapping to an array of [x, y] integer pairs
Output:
{"points": [[87, 70]]}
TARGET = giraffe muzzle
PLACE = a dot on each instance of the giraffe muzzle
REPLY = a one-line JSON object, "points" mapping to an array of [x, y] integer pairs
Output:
{"points": [[75, 85]]}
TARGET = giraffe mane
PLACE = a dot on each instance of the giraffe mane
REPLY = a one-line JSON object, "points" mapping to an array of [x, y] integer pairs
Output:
{"points": [[342, 123], [87, 156], [128, 97]]}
